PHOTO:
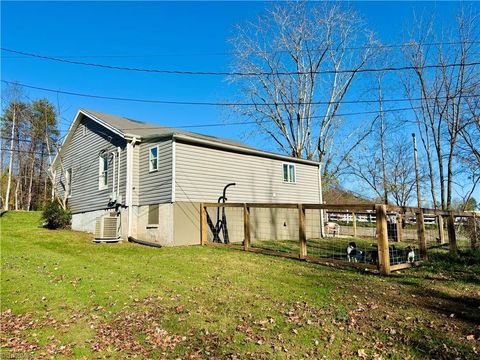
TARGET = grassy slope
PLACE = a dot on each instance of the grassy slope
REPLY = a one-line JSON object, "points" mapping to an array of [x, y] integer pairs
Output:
{"points": [[63, 295]]}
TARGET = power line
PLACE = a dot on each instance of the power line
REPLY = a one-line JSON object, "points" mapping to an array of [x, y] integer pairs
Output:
{"points": [[25, 151], [237, 73], [210, 103], [227, 53], [269, 120], [25, 140], [255, 122]]}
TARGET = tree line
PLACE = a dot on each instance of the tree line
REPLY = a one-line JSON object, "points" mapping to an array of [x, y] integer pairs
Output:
{"points": [[29, 140]]}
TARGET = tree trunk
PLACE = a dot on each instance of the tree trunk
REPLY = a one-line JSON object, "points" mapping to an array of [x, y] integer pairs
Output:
{"points": [[32, 171], [10, 162], [441, 178], [16, 195], [384, 163]]}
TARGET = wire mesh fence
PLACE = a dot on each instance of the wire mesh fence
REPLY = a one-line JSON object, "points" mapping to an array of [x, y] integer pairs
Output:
{"points": [[225, 224], [464, 231], [347, 236], [275, 229], [383, 237]]}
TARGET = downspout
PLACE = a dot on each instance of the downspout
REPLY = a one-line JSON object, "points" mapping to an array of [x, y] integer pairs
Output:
{"points": [[320, 200], [119, 153], [174, 180], [128, 192], [113, 175], [54, 183], [174, 184]]}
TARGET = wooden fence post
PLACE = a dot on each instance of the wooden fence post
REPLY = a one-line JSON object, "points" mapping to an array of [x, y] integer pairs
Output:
{"points": [[441, 231], [475, 233], [203, 225], [452, 238], [301, 232], [399, 227], [246, 227], [421, 234], [354, 223], [382, 239]]}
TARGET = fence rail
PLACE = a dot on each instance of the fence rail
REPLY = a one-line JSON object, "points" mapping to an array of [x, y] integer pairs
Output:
{"points": [[382, 237]]}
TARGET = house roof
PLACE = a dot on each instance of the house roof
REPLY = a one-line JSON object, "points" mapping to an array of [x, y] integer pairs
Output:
{"points": [[143, 131], [337, 195]]}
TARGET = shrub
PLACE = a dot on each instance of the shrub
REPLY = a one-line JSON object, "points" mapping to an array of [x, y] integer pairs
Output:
{"points": [[55, 217]]}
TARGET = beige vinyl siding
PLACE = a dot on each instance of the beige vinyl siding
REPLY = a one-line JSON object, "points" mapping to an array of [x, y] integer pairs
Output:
{"points": [[201, 174], [155, 187], [81, 155]]}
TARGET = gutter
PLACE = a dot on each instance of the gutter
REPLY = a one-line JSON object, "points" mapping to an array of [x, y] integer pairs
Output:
{"points": [[320, 201]]}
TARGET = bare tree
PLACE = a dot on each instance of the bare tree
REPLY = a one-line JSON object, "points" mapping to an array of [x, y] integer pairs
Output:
{"points": [[382, 130], [445, 93], [401, 173], [390, 170], [283, 53]]}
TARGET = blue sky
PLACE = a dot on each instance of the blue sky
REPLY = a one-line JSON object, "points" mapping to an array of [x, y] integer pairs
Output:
{"points": [[169, 35]]}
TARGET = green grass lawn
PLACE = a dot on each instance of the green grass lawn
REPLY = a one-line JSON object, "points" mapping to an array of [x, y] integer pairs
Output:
{"points": [[63, 296]]}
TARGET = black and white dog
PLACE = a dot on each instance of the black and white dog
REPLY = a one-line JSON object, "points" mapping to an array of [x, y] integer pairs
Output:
{"points": [[410, 255], [353, 254]]}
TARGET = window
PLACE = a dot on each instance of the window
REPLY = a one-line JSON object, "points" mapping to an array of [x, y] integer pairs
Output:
{"points": [[289, 173], [153, 214], [68, 179], [153, 158], [103, 172], [84, 130]]}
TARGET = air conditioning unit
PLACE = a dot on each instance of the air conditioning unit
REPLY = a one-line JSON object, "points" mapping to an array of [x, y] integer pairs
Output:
{"points": [[106, 228]]}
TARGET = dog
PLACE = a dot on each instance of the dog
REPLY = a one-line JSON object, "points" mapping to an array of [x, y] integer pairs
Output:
{"points": [[371, 257], [353, 254], [410, 255]]}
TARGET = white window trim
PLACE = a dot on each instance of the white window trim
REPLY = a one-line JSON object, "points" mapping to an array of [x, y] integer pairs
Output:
{"points": [[288, 181], [150, 159], [101, 172]]}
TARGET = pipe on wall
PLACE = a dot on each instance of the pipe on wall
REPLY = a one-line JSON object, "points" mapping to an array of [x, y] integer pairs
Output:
{"points": [[129, 180]]}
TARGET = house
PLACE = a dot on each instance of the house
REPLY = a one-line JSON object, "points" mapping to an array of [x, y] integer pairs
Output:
{"points": [[153, 178], [338, 195]]}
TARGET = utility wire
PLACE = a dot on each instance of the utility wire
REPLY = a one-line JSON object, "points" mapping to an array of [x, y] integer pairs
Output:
{"points": [[24, 151], [228, 53], [22, 140], [269, 120], [237, 73], [249, 122], [210, 103]]}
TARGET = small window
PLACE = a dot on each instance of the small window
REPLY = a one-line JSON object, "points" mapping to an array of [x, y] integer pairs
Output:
{"points": [[289, 173], [103, 172], [84, 130], [153, 158], [153, 214], [68, 179]]}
